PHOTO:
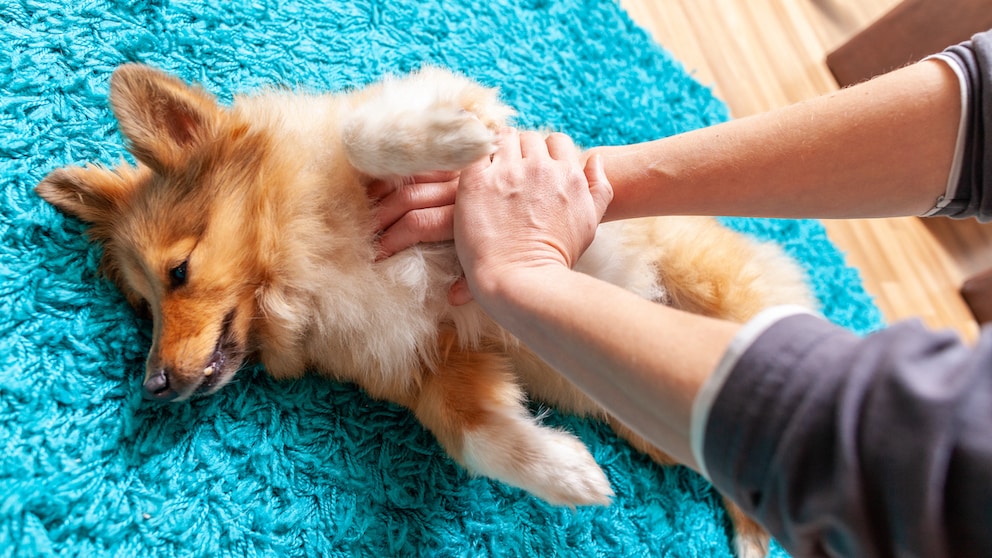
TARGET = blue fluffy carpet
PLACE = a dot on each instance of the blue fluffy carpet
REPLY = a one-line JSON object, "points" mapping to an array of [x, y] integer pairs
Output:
{"points": [[307, 468]]}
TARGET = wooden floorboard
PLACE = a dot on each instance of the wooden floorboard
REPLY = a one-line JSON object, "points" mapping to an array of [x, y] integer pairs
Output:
{"points": [[761, 54]]}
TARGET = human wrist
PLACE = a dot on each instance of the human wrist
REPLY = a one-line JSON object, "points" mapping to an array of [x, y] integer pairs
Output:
{"points": [[641, 177], [501, 289]]}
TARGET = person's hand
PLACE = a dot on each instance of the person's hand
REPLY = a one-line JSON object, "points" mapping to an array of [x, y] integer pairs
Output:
{"points": [[421, 211], [534, 204]]}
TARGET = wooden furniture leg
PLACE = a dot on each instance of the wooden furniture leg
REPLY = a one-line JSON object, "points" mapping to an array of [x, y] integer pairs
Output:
{"points": [[909, 32], [977, 293]]}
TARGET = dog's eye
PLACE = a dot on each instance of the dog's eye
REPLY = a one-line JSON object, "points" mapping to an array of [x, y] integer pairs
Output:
{"points": [[178, 275]]}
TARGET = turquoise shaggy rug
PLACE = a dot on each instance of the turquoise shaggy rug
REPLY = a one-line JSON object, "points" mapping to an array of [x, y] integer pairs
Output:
{"points": [[306, 468]]}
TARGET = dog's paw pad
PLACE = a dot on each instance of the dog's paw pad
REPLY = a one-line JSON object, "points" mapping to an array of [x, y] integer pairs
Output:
{"points": [[456, 138], [439, 138]]}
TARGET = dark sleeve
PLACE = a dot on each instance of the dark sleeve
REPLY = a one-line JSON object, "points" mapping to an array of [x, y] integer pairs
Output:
{"points": [[973, 194], [849, 446]]}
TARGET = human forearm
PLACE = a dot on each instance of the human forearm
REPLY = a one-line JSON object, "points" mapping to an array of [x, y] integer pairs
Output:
{"points": [[521, 221], [643, 362], [881, 148]]}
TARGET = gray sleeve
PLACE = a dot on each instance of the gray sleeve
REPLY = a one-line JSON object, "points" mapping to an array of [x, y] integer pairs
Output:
{"points": [[972, 196], [849, 446]]}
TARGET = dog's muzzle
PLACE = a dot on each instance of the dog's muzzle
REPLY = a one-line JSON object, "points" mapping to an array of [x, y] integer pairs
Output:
{"points": [[157, 388]]}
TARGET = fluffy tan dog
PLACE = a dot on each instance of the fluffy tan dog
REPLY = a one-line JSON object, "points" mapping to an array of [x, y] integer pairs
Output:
{"points": [[246, 231]]}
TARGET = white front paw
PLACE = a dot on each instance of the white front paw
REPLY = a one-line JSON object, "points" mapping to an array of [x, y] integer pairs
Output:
{"points": [[431, 120], [457, 138], [441, 138]]}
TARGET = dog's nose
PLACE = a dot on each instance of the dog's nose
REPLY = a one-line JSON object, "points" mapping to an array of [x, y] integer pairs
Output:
{"points": [[157, 387]]}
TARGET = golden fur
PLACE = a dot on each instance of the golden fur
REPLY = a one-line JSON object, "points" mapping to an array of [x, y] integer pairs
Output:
{"points": [[247, 231]]}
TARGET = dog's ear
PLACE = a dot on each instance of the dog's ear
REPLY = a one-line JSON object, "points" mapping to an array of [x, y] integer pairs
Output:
{"points": [[92, 194], [98, 196], [163, 118]]}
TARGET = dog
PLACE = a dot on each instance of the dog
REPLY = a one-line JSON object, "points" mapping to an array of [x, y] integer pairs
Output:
{"points": [[247, 232]]}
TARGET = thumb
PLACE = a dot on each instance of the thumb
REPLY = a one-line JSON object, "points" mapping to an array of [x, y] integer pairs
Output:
{"points": [[469, 174], [599, 186], [459, 293]]}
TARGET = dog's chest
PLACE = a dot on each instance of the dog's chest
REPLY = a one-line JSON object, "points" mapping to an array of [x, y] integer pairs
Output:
{"points": [[378, 325]]}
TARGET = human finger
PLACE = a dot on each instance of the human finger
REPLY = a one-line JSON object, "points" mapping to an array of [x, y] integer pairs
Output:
{"points": [[435, 176], [532, 145], [562, 148], [459, 294], [509, 145], [412, 197], [599, 185], [379, 189], [433, 224]]}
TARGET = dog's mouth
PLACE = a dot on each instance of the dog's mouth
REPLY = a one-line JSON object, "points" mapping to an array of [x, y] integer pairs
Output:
{"points": [[164, 384], [224, 361]]}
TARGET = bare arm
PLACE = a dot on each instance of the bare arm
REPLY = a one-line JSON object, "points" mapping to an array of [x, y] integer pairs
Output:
{"points": [[781, 404], [878, 149], [521, 221], [643, 362], [881, 148]]}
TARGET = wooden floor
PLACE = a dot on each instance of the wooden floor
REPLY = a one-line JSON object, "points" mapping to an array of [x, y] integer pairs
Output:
{"points": [[762, 54]]}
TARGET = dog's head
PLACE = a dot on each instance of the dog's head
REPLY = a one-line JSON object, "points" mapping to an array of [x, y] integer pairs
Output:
{"points": [[173, 227]]}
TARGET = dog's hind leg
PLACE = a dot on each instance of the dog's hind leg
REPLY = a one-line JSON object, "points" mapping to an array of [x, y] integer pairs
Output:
{"points": [[475, 408], [427, 121]]}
